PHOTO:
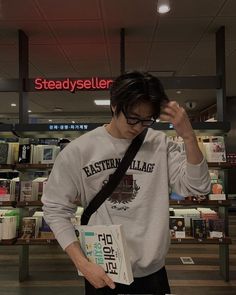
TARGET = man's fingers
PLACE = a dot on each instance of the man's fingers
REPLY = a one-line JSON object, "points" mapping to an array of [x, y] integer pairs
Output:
{"points": [[109, 282], [164, 118]]}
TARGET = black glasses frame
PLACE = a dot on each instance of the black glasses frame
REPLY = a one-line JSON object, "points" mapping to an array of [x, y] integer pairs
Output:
{"points": [[135, 120]]}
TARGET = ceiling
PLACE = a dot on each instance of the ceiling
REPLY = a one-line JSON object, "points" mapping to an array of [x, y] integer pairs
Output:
{"points": [[81, 38]]}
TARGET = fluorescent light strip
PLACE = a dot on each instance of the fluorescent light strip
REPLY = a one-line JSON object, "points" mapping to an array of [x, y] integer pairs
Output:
{"points": [[102, 102]]}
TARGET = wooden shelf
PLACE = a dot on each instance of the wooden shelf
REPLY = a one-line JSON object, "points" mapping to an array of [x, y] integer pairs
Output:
{"points": [[7, 166], [21, 204], [188, 203], [53, 241], [32, 166], [36, 241], [8, 242], [28, 204], [23, 166], [220, 165], [190, 240], [8, 204], [182, 203]]}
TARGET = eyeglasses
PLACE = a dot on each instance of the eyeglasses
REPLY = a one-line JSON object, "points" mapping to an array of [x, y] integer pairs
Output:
{"points": [[135, 120]]}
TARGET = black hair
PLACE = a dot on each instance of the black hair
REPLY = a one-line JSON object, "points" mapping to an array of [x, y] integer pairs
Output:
{"points": [[134, 87]]}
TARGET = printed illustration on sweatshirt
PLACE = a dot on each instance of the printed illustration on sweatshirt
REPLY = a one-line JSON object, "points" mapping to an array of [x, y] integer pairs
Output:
{"points": [[125, 193]]}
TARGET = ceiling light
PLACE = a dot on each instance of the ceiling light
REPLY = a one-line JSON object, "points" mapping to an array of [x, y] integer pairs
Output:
{"points": [[102, 102], [163, 6], [58, 109], [50, 120], [178, 91], [29, 111], [73, 122]]}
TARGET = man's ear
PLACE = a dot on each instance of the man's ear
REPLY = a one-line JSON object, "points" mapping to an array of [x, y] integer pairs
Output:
{"points": [[113, 108]]}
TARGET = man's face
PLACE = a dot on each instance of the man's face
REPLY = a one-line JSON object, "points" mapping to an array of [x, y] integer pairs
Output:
{"points": [[120, 124]]}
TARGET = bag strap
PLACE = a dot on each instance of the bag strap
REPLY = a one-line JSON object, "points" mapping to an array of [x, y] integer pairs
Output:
{"points": [[114, 179]]}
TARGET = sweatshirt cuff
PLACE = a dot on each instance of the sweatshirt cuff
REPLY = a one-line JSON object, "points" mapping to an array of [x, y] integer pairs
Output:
{"points": [[66, 238], [197, 171]]}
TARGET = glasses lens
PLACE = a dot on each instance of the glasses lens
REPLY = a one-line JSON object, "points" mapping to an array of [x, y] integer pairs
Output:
{"points": [[147, 123], [132, 121]]}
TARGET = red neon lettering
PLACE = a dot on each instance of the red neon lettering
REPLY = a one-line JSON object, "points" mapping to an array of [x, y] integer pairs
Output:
{"points": [[103, 84], [65, 84], [72, 85], [87, 84], [38, 84], [80, 84], [51, 85], [45, 84], [93, 85], [58, 85]]}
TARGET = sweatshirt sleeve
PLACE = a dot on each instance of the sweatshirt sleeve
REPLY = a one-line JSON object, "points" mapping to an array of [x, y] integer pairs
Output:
{"points": [[185, 178], [59, 201]]}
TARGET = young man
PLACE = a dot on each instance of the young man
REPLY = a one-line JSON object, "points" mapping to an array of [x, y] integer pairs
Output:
{"points": [[82, 168]]}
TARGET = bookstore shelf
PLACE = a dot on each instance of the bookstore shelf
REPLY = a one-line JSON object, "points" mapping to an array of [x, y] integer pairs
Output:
{"points": [[17, 166], [204, 203], [32, 166], [8, 242], [74, 130], [188, 203], [8, 204], [53, 241], [190, 240], [36, 241], [22, 204]]}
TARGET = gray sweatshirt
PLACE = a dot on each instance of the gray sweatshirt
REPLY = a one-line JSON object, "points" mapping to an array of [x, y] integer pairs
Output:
{"points": [[140, 202]]}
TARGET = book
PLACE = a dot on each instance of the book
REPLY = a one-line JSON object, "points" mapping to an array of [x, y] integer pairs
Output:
{"points": [[45, 154], [217, 186], [3, 152], [14, 212], [26, 191], [38, 185], [25, 153], [215, 149], [15, 189], [106, 246], [13, 151], [198, 227], [8, 227], [177, 227], [216, 228], [5, 189], [29, 228]]}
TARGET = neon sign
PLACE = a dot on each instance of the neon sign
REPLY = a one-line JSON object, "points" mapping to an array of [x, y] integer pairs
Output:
{"points": [[70, 84]]}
